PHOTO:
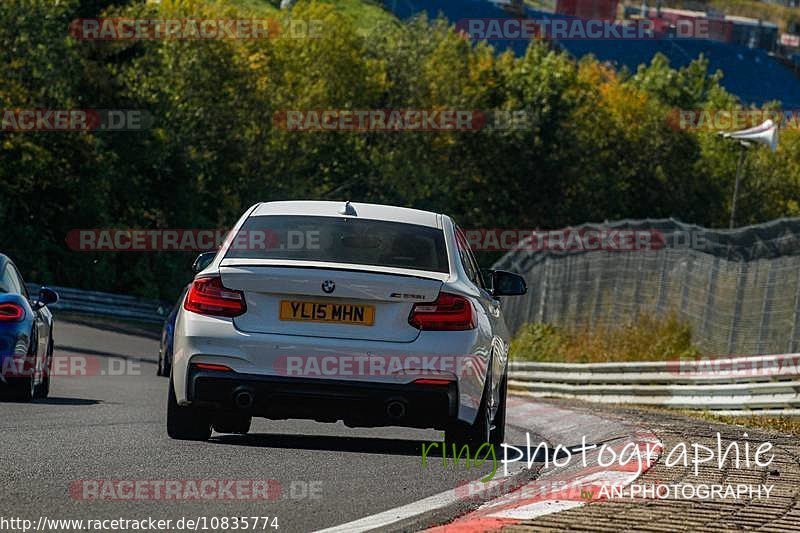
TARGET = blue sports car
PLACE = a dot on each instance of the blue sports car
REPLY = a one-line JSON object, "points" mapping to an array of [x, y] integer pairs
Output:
{"points": [[26, 337], [167, 334]]}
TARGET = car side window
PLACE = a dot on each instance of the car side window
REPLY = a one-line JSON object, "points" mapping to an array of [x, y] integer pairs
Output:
{"points": [[468, 260], [23, 290], [5, 283], [8, 282]]}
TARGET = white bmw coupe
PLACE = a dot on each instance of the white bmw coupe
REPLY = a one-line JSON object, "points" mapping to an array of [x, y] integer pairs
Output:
{"points": [[370, 314]]}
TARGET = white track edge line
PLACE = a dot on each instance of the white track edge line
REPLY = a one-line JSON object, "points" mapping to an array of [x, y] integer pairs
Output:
{"points": [[404, 512]]}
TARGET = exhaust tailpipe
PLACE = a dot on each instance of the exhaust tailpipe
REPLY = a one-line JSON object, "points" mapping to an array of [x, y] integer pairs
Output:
{"points": [[395, 409], [243, 398]]}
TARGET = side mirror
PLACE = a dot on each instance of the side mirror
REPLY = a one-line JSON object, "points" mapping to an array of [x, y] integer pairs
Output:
{"points": [[46, 297], [507, 284], [202, 261]]}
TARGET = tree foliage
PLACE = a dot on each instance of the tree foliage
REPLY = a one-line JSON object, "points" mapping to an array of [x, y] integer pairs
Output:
{"points": [[597, 143]]}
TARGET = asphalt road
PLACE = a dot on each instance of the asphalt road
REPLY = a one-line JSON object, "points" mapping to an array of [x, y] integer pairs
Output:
{"points": [[107, 422]]}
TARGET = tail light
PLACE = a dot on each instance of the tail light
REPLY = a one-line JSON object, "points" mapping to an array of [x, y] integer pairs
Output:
{"points": [[448, 313], [208, 296], [210, 366], [432, 381], [11, 312]]}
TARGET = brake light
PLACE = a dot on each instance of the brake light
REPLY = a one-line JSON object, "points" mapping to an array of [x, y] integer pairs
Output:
{"points": [[211, 366], [448, 313], [208, 296], [11, 312], [431, 381]]}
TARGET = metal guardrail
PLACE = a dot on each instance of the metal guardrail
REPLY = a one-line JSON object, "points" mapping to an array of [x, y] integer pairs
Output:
{"points": [[105, 304], [757, 385]]}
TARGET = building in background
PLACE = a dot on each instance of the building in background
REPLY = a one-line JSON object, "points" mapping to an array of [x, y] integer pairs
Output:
{"points": [[588, 9], [738, 47]]}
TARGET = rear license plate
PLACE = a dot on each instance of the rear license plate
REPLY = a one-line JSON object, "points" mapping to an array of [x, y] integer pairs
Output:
{"points": [[361, 315]]}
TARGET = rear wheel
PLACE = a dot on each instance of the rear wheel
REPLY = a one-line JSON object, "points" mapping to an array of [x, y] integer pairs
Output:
{"points": [[166, 365], [22, 390], [484, 429], [232, 423], [186, 423], [43, 389], [478, 432], [499, 432]]}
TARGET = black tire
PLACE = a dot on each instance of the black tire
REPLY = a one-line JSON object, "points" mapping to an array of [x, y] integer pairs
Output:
{"points": [[159, 372], [499, 432], [232, 423], [186, 423], [484, 430], [472, 435], [166, 367], [43, 389], [22, 390]]}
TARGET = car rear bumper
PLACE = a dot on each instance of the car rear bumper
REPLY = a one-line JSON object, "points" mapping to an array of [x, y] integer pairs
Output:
{"points": [[462, 356], [357, 403]]}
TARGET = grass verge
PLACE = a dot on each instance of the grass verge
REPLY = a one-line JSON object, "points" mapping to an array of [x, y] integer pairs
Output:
{"points": [[789, 425], [647, 338]]}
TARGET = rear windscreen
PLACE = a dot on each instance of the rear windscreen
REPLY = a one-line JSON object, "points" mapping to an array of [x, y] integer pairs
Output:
{"points": [[341, 240]]}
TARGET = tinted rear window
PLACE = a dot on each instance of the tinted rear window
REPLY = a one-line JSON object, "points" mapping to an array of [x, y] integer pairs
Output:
{"points": [[341, 240]]}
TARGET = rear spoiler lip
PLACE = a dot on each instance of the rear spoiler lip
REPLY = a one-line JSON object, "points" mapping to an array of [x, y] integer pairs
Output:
{"points": [[347, 267]]}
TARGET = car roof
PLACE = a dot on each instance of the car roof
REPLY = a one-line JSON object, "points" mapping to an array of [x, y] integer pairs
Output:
{"points": [[337, 209]]}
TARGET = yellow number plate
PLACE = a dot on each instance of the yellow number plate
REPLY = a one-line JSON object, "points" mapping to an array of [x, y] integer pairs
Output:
{"points": [[361, 315]]}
